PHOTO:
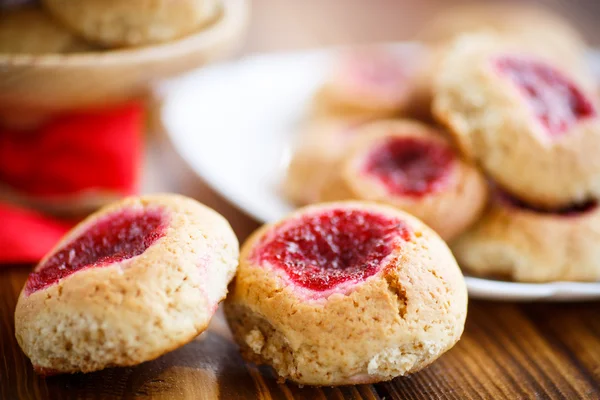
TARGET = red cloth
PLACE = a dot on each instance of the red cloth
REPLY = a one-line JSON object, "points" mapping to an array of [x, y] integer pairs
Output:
{"points": [[26, 236], [67, 155]]}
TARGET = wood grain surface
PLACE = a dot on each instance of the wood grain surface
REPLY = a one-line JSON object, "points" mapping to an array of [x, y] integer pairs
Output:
{"points": [[508, 350]]}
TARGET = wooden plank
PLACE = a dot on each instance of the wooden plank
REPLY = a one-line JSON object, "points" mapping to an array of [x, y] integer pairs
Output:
{"points": [[507, 351]]}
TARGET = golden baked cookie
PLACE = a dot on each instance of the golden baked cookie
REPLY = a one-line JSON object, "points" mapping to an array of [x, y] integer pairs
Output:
{"points": [[131, 282], [318, 149], [116, 23], [538, 28], [531, 245], [346, 293], [532, 126], [411, 166], [28, 30], [369, 81]]}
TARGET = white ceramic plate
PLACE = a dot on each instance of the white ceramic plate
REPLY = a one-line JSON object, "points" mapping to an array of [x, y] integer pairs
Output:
{"points": [[234, 124]]}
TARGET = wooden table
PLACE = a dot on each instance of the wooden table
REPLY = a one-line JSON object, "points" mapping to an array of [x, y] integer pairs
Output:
{"points": [[513, 351]]}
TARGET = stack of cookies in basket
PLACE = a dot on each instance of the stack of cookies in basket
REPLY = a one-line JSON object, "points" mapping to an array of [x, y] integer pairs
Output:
{"points": [[62, 26], [488, 131]]}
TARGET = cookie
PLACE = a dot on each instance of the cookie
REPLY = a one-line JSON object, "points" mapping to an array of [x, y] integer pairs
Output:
{"points": [[369, 81], [346, 293], [411, 166], [540, 29], [533, 127], [133, 23], [28, 30], [526, 244], [319, 147], [131, 282]]}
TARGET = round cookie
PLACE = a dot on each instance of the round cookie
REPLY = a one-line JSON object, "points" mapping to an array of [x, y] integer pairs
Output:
{"points": [[346, 293], [370, 81], [410, 166], [526, 244], [131, 282], [115, 23], [28, 30], [319, 148], [532, 126], [540, 29]]}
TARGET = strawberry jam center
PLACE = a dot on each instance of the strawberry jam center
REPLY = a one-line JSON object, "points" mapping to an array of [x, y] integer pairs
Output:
{"points": [[555, 100], [321, 250], [113, 238], [409, 166]]}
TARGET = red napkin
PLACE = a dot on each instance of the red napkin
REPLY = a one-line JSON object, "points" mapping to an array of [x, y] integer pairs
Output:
{"points": [[26, 236], [68, 155]]}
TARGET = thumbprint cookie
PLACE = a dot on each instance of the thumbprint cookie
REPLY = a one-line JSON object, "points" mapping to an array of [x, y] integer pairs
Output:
{"points": [[528, 244], [133, 281], [346, 293], [318, 149], [133, 22], [532, 126], [410, 166], [370, 81]]}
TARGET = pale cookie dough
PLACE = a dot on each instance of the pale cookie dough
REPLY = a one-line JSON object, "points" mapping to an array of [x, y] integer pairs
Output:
{"points": [[116, 23], [531, 125], [528, 245], [411, 166], [318, 149], [133, 281], [346, 293], [374, 81]]}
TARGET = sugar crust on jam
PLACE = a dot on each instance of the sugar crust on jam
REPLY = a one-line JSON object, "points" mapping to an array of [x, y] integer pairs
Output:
{"points": [[113, 238], [410, 166], [322, 250], [556, 101]]}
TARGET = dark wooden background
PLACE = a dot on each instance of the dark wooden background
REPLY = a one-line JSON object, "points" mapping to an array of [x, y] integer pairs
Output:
{"points": [[508, 351]]}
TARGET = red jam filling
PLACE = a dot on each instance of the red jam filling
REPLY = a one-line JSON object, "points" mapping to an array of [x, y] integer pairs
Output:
{"points": [[115, 237], [555, 100], [322, 250], [410, 166]]}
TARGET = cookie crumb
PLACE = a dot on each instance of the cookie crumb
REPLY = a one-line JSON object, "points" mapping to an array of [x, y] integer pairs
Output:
{"points": [[255, 340]]}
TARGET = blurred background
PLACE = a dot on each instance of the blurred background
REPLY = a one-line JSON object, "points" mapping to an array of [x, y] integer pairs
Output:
{"points": [[280, 25], [35, 91]]}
